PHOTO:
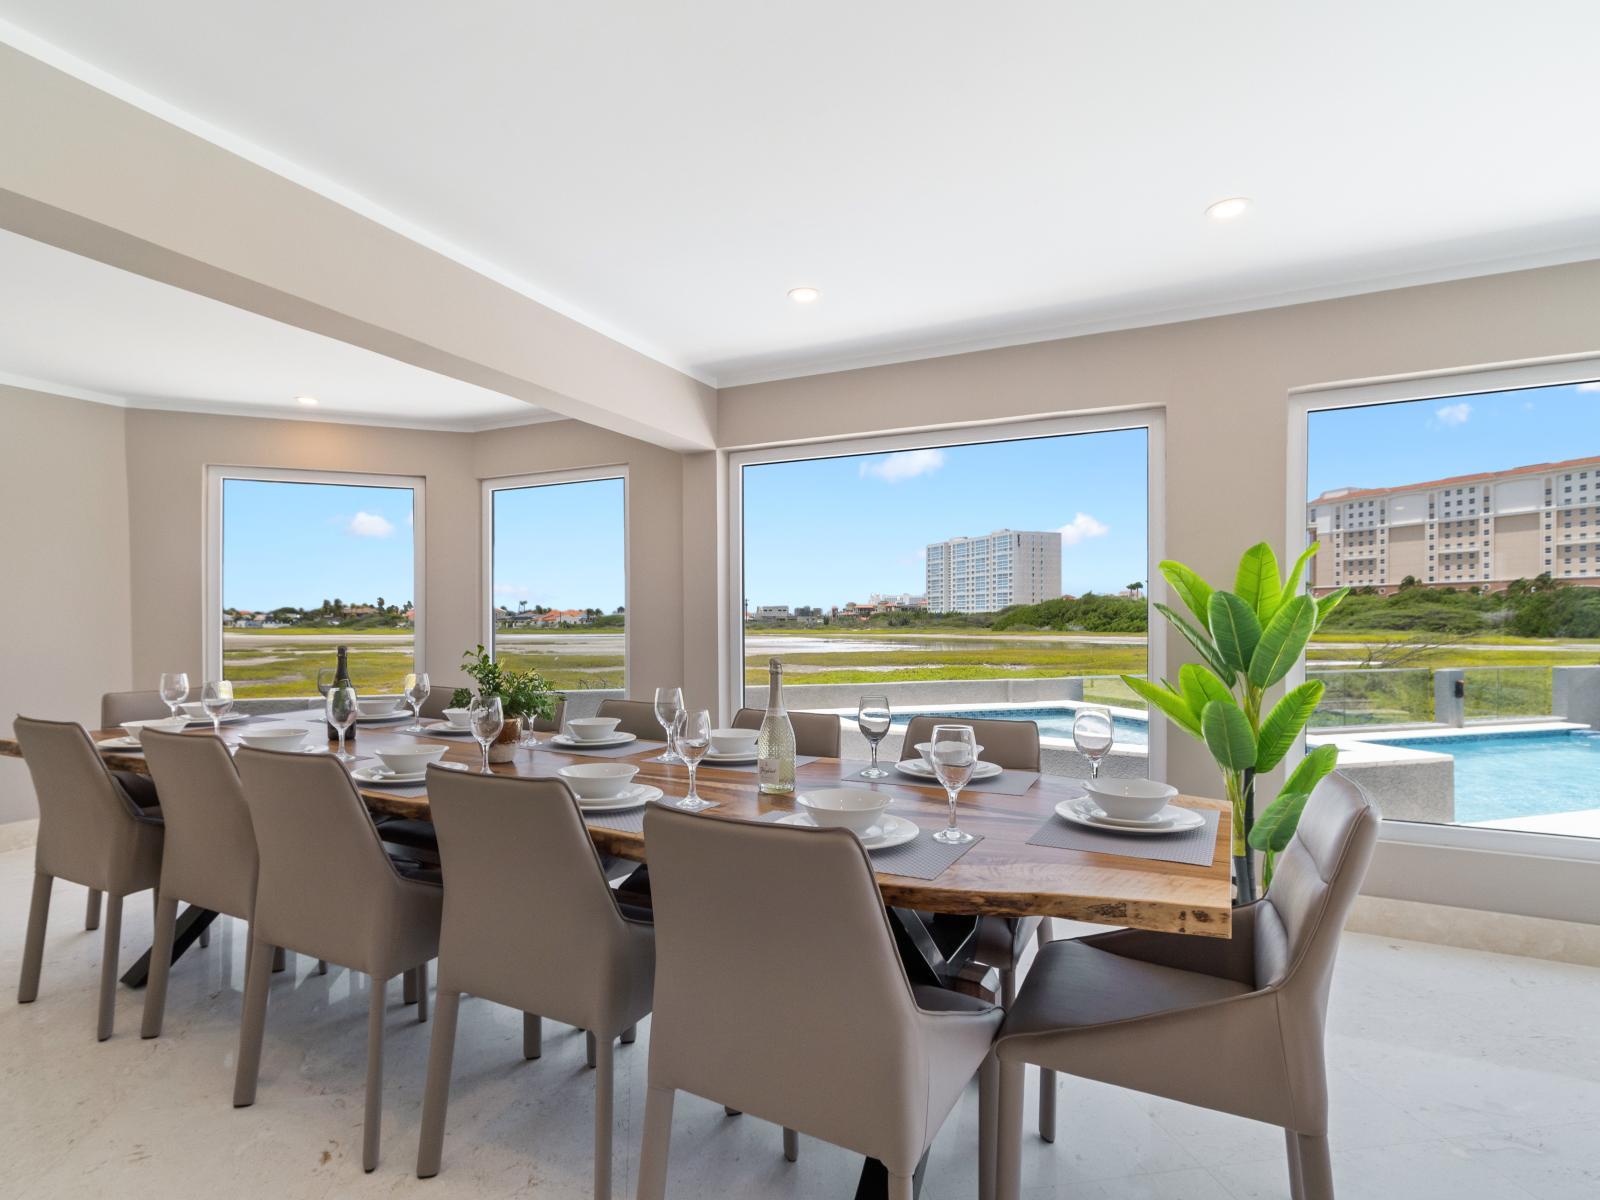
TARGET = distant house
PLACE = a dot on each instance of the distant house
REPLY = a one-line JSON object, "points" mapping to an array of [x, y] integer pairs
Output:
{"points": [[360, 610]]}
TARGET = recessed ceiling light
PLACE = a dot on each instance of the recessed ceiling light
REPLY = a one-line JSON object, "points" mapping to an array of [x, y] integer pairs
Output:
{"points": [[1227, 210], [804, 295], [308, 401]]}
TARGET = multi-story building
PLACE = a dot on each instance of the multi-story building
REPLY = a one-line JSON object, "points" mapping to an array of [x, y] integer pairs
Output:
{"points": [[900, 600], [1485, 529], [986, 574]]}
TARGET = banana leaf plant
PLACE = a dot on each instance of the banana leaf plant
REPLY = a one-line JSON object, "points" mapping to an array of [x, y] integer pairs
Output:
{"points": [[1248, 640]]}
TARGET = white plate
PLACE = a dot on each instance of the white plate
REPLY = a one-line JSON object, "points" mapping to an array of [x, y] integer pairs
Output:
{"points": [[893, 831], [712, 756], [230, 719], [616, 739], [403, 715], [118, 743], [377, 775], [1171, 819], [444, 729], [632, 797], [918, 769]]}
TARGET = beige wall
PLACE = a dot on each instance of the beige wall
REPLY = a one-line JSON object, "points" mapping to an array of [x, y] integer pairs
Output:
{"points": [[64, 608]]}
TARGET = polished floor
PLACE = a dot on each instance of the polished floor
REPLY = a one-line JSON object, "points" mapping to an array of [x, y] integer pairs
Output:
{"points": [[1457, 1075]]}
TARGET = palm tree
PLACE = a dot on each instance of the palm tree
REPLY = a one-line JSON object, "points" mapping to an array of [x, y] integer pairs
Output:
{"points": [[1135, 588]]}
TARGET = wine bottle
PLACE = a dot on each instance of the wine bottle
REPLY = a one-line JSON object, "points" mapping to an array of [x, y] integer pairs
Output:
{"points": [[341, 678], [775, 742]]}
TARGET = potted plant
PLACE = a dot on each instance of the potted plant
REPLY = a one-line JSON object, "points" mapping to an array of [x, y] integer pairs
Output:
{"points": [[524, 695], [1248, 640]]}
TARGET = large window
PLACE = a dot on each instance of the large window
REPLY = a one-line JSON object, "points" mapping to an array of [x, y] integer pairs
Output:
{"points": [[1001, 574], [303, 562], [1463, 669], [557, 558]]}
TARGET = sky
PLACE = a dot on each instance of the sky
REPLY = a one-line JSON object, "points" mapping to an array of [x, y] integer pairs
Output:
{"points": [[831, 530], [561, 545], [1387, 444]]}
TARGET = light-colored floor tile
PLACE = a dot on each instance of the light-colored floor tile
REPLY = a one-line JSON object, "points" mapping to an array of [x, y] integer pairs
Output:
{"points": [[1552, 1164], [1417, 1171]]}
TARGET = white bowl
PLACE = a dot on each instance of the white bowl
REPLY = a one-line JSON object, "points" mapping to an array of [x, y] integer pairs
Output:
{"points": [[275, 739], [134, 728], [926, 750], [734, 741], [194, 710], [855, 809], [458, 718], [381, 707], [1130, 799], [592, 729], [410, 759], [598, 781]]}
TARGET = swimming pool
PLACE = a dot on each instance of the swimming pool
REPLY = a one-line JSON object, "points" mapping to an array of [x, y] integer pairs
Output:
{"points": [[1054, 720], [1501, 775]]}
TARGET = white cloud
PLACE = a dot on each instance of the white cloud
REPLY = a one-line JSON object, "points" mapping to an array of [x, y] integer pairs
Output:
{"points": [[902, 464], [1081, 527], [1453, 414], [1589, 387], [365, 524], [511, 589]]}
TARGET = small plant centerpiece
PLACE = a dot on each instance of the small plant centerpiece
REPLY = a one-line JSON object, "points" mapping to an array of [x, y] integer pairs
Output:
{"points": [[1248, 641], [524, 695]]}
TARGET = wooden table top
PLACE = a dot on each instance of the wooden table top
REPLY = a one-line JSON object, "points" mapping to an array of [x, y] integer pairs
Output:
{"points": [[1001, 876]]}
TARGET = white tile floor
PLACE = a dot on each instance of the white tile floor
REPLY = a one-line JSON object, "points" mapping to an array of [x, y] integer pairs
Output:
{"points": [[1456, 1075]]}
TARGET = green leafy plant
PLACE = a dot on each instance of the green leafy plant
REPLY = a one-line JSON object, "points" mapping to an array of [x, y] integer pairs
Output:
{"points": [[522, 693], [1248, 639]]}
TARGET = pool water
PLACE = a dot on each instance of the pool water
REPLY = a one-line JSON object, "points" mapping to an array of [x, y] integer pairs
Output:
{"points": [[1505, 775], [1054, 720]]}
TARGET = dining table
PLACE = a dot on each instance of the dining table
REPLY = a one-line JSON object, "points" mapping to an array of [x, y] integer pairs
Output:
{"points": [[1002, 874]]}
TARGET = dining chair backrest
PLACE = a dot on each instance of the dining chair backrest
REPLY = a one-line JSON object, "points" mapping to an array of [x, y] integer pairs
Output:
{"points": [[88, 827], [1012, 745], [637, 717], [439, 699], [325, 885], [815, 734], [529, 919], [210, 856], [117, 707], [777, 976]]}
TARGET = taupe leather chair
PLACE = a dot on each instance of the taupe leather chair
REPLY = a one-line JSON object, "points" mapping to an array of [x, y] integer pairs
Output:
{"points": [[1234, 1025], [637, 717], [326, 888], [815, 734], [779, 993], [117, 707], [90, 833], [530, 922], [1013, 745]]}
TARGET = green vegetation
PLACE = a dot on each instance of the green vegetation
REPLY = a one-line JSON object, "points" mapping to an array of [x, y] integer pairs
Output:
{"points": [[522, 693], [1089, 613]]}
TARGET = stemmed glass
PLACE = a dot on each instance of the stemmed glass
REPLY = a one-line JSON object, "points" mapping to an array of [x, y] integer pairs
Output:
{"points": [[669, 703], [416, 690], [217, 699], [488, 719], [1092, 733], [872, 718], [691, 738], [174, 690], [341, 711], [954, 755]]}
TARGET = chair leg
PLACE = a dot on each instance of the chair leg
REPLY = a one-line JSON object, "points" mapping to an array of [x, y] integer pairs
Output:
{"points": [[791, 1144], [108, 966], [1047, 1105], [1008, 1132], [422, 993], [408, 987], [205, 937], [1297, 1187], [532, 1035], [436, 1095], [322, 966], [589, 1045], [604, 1090], [1316, 1166], [630, 1035], [253, 1023], [988, 1120], [33, 947], [657, 1143], [372, 1126], [155, 992], [732, 1112], [900, 1187], [280, 959], [91, 915]]}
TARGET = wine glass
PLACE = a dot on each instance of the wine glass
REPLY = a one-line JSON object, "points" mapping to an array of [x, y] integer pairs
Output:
{"points": [[954, 755], [488, 719], [217, 699], [669, 703], [174, 690], [691, 738], [872, 718], [416, 689], [1092, 733], [341, 711]]}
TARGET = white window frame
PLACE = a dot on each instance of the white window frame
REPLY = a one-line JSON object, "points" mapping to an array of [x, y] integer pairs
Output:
{"points": [[1435, 385], [511, 483], [1151, 420], [212, 551]]}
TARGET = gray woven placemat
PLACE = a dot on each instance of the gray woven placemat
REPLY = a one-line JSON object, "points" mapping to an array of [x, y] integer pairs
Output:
{"points": [[629, 820], [1196, 847], [922, 858], [800, 760], [1007, 783], [627, 749]]}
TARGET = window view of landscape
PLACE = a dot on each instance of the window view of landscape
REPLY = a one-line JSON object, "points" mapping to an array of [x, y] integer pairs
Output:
{"points": [[310, 566], [560, 581], [1463, 670]]}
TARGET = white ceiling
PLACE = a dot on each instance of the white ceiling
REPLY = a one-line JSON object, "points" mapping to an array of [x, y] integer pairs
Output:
{"points": [[948, 174], [77, 327]]}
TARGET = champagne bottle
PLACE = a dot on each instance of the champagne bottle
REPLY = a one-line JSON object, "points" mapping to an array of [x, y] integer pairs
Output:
{"points": [[775, 743], [341, 678]]}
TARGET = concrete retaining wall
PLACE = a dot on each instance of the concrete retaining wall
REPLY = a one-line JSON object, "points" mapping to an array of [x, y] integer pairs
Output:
{"points": [[927, 691]]}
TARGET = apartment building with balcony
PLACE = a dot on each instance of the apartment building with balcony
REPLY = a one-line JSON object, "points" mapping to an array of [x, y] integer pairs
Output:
{"points": [[1485, 529], [986, 574]]}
